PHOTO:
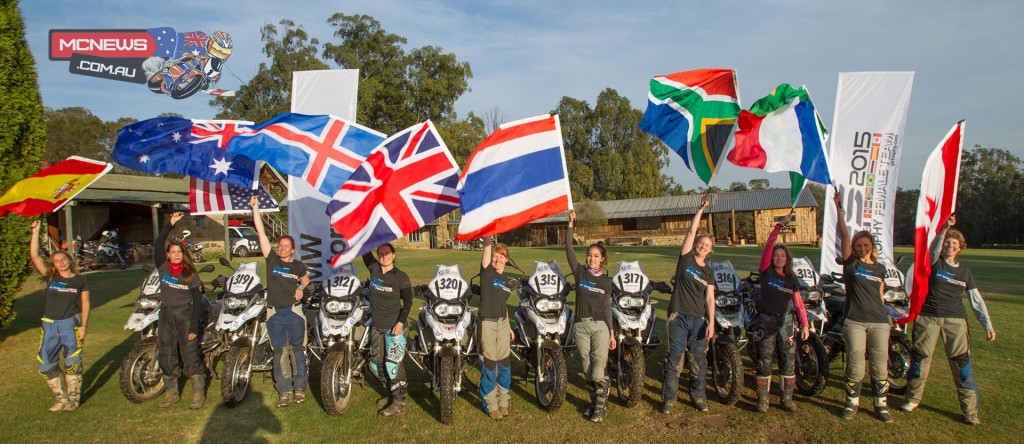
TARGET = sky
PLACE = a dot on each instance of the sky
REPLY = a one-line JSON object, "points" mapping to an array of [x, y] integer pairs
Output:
{"points": [[527, 54]]}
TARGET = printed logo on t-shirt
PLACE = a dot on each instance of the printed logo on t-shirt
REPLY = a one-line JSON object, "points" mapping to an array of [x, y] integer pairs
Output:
{"points": [[949, 278], [378, 284], [864, 273], [172, 282], [695, 274], [284, 272], [590, 286], [779, 285], [500, 285], [62, 287]]}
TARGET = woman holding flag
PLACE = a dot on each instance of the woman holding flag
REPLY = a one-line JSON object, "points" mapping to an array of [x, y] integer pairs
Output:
{"points": [[495, 332], [390, 302], [593, 327], [943, 316], [866, 328], [65, 316]]}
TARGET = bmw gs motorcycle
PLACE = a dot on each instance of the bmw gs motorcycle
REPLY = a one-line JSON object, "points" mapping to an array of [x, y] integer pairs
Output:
{"points": [[542, 329], [634, 319], [445, 332], [243, 322], [194, 249], [339, 337], [104, 252], [811, 355], [732, 315], [140, 377]]}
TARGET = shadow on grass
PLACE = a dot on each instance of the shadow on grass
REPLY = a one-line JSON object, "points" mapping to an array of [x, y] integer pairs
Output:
{"points": [[248, 422], [100, 372]]}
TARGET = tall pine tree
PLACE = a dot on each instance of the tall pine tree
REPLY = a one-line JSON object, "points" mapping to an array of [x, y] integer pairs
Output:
{"points": [[22, 140]]}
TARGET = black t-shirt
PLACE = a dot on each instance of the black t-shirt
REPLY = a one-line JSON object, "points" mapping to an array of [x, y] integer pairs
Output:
{"points": [[776, 292], [64, 296], [863, 300], [494, 293], [175, 291], [692, 281], [946, 288], [282, 280], [386, 296], [593, 295]]}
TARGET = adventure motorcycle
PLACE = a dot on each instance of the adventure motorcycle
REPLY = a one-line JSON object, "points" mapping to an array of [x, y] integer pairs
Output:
{"points": [[243, 321], [445, 332], [194, 249], [107, 251], [140, 377], [339, 337], [732, 315], [812, 359], [634, 319], [542, 328]]}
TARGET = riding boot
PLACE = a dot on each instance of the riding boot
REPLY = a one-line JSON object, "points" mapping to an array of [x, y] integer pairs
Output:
{"points": [[171, 395], [788, 385], [881, 405], [592, 388], [600, 401], [852, 398], [74, 383], [763, 385], [198, 391], [397, 406], [60, 397]]}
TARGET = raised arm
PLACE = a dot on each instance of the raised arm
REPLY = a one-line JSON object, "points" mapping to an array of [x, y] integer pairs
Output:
{"points": [[485, 259], [159, 252], [570, 255], [257, 223], [935, 249], [766, 256], [33, 249], [694, 224], [368, 259], [846, 249]]}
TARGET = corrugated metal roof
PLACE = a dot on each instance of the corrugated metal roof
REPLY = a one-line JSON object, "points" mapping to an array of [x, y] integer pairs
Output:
{"points": [[687, 204], [136, 189]]}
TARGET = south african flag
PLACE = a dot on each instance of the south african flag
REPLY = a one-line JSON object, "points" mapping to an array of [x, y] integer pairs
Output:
{"points": [[694, 113]]}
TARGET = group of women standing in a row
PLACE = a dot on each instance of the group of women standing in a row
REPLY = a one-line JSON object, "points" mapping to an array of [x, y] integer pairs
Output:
{"points": [[690, 322]]}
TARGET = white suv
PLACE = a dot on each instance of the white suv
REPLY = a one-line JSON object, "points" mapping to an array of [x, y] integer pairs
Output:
{"points": [[244, 240]]}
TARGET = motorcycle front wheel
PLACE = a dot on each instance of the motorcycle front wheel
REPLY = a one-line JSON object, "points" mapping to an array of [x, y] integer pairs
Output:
{"points": [[446, 375], [234, 383], [726, 371], [197, 256], [899, 363], [335, 393], [141, 378], [550, 379], [811, 366], [188, 86], [631, 372]]}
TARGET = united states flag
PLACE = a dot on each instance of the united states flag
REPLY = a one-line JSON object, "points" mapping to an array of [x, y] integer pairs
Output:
{"points": [[208, 198], [406, 182]]}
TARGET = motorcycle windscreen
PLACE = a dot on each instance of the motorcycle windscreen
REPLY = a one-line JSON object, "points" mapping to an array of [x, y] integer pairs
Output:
{"points": [[630, 278], [342, 281], [151, 285], [726, 280], [806, 276], [245, 278], [893, 275], [547, 279], [448, 283]]}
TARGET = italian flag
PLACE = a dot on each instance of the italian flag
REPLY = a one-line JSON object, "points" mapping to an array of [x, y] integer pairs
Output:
{"points": [[782, 132]]}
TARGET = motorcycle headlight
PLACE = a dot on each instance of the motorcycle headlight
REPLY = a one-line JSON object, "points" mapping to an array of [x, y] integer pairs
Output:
{"points": [[445, 310], [547, 305], [335, 306], [814, 295], [147, 303], [895, 296], [235, 303], [727, 301], [626, 302]]}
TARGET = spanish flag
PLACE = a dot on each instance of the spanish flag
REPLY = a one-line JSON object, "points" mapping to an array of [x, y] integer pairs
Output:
{"points": [[49, 189]]}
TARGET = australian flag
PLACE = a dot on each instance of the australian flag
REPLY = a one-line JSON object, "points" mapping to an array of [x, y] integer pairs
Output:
{"points": [[405, 183], [181, 146], [322, 150]]}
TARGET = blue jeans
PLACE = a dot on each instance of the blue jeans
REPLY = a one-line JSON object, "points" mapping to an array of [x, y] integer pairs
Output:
{"points": [[59, 338], [686, 335], [287, 332]]}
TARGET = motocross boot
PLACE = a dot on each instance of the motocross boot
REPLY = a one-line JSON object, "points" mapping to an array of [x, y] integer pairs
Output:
{"points": [[852, 398], [60, 397], [198, 392], [881, 406], [763, 385], [74, 383], [592, 388], [788, 385], [601, 401], [397, 407], [171, 395]]}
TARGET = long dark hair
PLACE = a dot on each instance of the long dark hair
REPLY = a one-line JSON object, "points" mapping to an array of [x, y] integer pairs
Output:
{"points": [[188, 269], [787, 269], [600, 248]]}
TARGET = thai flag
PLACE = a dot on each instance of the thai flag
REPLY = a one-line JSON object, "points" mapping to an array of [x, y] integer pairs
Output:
{"points": [[516, 175]]}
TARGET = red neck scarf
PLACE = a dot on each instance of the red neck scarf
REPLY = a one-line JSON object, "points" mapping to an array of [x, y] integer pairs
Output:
{"points": [[176, 268]]}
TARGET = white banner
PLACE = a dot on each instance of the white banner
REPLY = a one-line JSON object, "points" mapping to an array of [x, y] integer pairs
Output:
{"points": [[318, 92], [867, 139]]}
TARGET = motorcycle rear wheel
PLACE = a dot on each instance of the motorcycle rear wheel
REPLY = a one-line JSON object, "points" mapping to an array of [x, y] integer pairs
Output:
{"points": [[551, 392], [631, 373], [446, 374], [726, 371], [188, 86], [141, 378], [234, 382], [334, 393], [811, 366], [899, 363]]}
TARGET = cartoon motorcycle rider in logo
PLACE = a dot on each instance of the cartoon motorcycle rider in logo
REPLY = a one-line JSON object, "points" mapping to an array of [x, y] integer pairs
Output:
{"points": [[192, 71]]}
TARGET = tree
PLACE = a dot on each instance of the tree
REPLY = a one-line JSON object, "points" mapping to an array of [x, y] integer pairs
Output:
{"points": [[269, 92], [989, 206], [77, 131], [589, 215], [574, 116], [462, 136], [905, 219], [22, 140], [738, 186], [818, 191], [759, 184]]}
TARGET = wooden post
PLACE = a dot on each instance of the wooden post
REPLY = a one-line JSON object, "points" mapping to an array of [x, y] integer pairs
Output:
{"points": [[69, 226], [153, 210], [227, 238], [732, 227]]}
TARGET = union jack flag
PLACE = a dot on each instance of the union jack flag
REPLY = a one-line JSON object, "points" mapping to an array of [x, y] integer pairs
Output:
{"points": [[219, 131], [406, 182], [197, 39], [322, 150]]}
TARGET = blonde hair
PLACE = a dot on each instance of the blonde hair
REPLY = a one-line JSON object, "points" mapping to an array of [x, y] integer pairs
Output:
{"points": [[502, 249], [874, 248], [52, 272], [953, 233]]}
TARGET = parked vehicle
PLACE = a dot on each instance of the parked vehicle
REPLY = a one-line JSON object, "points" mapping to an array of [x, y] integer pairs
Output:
{"points": [[543, 330], [732, 315], [194, 249], [634, 319], [445, 333], [140, 377], [106, 251], [243, 240], [812, 359], [243, 321]]}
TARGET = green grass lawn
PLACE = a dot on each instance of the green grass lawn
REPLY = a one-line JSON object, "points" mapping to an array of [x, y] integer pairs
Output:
{"points": [[106, 416]]}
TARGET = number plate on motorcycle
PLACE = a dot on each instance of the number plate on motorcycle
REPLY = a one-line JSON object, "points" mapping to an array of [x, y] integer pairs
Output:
{"points": [[725, 276], [448, 283], [151, 285], [343, 281], [893, 275], [630, 278], [547, 279], [805, 273], [244, 279]]}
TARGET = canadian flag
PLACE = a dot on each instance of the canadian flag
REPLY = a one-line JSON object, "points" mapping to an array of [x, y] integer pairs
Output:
{"points": [[936, 203]]}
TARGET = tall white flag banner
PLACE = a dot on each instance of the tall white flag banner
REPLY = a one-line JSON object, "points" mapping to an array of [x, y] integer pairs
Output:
{"points": [[867, 139], [318, 92]]}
